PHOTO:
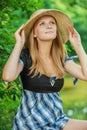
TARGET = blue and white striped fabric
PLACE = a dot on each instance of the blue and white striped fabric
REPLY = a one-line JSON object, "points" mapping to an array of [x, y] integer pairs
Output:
{"points": [[40, 111]]}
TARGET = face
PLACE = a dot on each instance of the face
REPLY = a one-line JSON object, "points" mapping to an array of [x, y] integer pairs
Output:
{"points": [[45, 29]]}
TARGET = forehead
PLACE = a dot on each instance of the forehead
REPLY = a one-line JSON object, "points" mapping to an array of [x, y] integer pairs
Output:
{"points": [[45, 17]]}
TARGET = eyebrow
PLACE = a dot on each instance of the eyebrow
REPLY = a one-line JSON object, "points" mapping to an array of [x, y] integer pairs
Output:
{"points": [[43, 20]]}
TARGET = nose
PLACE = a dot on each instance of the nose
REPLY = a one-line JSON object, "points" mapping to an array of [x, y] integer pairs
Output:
{"points": [[48, 25]]}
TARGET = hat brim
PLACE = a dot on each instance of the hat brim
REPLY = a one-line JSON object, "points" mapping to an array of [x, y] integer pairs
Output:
{"points": [[63, 22]]}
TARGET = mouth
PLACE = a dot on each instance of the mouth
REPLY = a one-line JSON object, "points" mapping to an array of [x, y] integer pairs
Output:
{"points": [[49, 32]]}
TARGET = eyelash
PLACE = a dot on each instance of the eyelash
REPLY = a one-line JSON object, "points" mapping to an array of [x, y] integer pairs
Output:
{"points": [[42, 23], [52, 22]]}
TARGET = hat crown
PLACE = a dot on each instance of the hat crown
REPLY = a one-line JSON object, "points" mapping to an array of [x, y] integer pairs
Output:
{"points": [[40, 12]]}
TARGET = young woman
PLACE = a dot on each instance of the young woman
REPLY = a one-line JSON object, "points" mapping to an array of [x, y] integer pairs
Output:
{"points": [[41, 65]]}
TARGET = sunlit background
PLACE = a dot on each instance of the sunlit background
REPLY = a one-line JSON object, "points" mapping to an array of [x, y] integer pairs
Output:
{"points": [[14, 13]]}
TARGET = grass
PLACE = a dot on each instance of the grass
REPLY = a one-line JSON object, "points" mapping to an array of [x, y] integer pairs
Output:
{"points": [[74, 99], [74, 103]]}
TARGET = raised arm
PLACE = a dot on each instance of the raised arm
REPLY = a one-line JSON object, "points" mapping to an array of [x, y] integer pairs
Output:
{"points": [[78, 71], [13, 67]]}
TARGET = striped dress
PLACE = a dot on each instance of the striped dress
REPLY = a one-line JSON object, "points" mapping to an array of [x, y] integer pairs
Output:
{"points": [[39, 111]]}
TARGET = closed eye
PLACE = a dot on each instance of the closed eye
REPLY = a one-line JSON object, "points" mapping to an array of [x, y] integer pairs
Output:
{"points": [[52, 22], [42, 23]]}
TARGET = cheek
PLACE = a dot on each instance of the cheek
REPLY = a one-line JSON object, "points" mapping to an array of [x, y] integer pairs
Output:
{"points": [[36, 31], [56, 29], [55, 32], [39, 32]]}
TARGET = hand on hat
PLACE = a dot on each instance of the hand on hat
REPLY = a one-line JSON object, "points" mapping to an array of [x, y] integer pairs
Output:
{"points": [[19, 35], [74, 37]]}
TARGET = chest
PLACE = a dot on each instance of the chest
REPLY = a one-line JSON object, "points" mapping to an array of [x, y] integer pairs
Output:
{"points": [[41, 83], [49, 68]]}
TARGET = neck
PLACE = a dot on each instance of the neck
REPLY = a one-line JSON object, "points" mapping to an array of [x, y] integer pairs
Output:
{"points": [[44, 49]]}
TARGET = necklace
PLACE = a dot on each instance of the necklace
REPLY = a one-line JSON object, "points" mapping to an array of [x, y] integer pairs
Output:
{"points": [[52, 80]]}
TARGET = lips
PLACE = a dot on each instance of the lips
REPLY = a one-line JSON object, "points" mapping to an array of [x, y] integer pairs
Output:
{"points": [[49, 32]]}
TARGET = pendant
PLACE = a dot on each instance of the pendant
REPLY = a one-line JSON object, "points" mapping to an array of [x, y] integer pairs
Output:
{"points": [[52, 80]]}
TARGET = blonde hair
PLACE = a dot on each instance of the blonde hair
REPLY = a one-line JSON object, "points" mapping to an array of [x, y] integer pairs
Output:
{"points": [[57, 53]]}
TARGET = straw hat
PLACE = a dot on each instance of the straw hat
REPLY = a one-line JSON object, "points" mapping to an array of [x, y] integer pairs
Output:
{"points": [[63, 22]]}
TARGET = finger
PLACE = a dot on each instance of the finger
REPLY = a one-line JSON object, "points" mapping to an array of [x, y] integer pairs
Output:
{"points": [[70, 29], [20, 29], [22, 34], [22, 26], [75, 31], [70, 35]]}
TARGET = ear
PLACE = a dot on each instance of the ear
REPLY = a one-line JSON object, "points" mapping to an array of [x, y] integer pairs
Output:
{"points": [[35, 36]]}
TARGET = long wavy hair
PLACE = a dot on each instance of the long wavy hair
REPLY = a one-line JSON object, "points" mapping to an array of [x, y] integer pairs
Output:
{"points": [[57, 53]]}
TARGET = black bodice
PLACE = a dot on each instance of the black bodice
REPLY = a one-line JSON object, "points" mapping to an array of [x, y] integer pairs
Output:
{"points": [[38, 83]]}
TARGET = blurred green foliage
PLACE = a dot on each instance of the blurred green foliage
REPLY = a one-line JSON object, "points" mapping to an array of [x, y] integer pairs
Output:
{"points": [[14, 13]]}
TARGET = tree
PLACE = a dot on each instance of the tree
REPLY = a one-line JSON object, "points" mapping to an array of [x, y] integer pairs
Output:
{"points": [[77, 11]]}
